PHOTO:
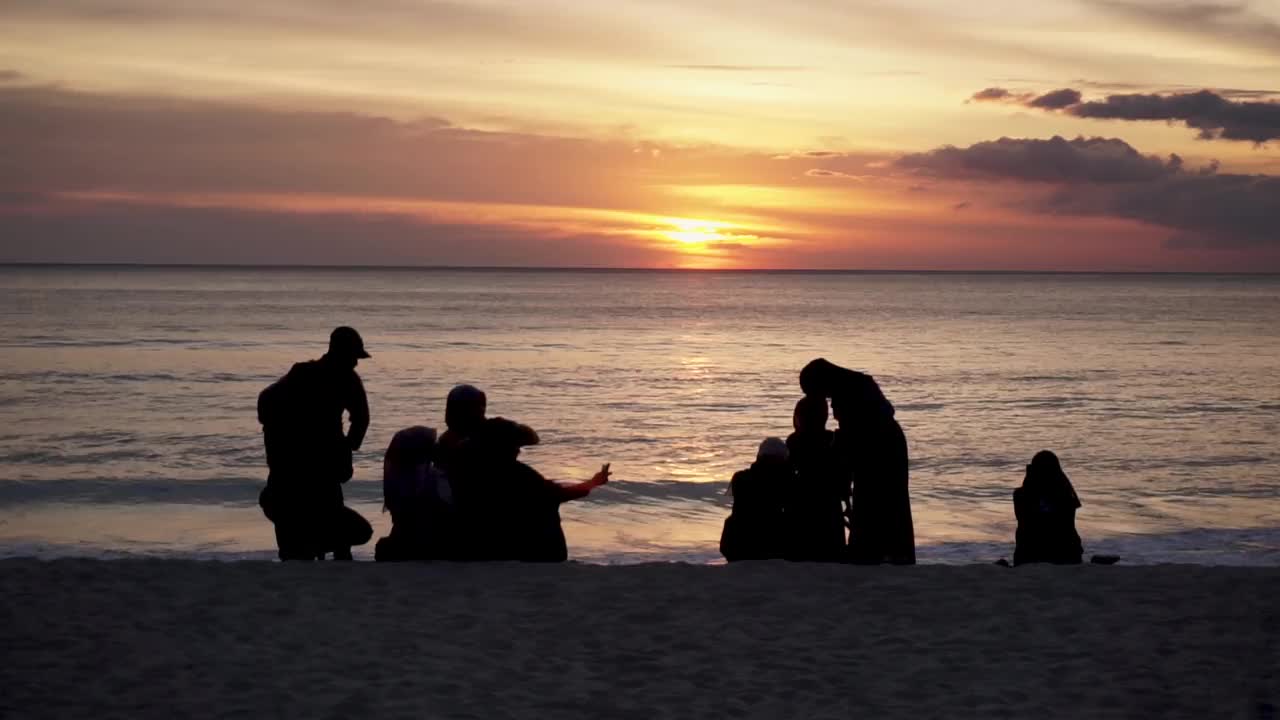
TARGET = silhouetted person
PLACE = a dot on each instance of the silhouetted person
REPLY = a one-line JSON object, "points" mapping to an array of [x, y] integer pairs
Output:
{"points": [[463, 415], [514, 512], [1046, 507], [872, 446], [419, 498], [756, 526], [309, 455], [814, 501]]}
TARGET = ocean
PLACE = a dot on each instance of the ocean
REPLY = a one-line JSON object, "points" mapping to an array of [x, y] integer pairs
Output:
{"points": [[128, 426]]}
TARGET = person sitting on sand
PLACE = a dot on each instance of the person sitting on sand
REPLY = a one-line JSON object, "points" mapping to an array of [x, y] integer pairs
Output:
{"points": [[756, 526], [814, 511], [871, 444], [512, 510], [419, 498], [464, 411], [1046, 507], [309, 456]]}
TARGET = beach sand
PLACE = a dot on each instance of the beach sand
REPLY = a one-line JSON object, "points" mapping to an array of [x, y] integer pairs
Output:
{"points": [[160, 639]]}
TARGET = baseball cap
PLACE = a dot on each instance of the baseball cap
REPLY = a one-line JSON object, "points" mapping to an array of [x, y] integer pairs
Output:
{"points": [[345, 341]]}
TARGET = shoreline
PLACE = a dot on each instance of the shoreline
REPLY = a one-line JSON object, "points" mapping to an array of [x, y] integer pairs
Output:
{"points": [[160, 638]]}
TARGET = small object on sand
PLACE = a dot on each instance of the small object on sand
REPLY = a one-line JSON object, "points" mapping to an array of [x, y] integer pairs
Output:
{"points": [[1104, 559]]}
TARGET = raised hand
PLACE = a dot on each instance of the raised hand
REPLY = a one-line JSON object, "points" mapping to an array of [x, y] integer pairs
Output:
{"points": [[601, 477]]}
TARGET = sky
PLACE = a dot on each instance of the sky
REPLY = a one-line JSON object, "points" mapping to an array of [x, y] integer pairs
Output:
{"points": [[1114, 135]]}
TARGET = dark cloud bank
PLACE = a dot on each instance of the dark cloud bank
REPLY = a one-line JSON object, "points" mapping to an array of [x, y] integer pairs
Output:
{"points": [[1214, 115], [1108, 177], [55, 143]]}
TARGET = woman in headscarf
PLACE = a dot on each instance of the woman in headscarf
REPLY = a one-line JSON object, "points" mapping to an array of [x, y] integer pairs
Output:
{"points": [[419, 498], [815, 498], [755, 528], [873, 449], [1046, 507]]}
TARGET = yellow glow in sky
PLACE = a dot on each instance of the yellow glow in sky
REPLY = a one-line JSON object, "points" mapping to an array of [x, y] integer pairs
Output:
{"points": [[695, 232]]}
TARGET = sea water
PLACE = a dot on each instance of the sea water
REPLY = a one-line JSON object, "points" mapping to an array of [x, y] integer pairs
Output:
{"points": [[128, 426]]}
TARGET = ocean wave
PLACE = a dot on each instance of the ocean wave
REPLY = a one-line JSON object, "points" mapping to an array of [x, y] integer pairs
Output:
{"points": [[239, 491], [58, 377], [920, 407], [244, 491]]}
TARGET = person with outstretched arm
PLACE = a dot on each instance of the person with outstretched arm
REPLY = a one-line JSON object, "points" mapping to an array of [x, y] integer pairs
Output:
{"points": [[513, 512]]}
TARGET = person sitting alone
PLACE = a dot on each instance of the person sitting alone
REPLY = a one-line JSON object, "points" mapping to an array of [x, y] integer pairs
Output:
{"points": [[514, 511], [814, 501], [755, 528], [419, 498], [1046, 507]]}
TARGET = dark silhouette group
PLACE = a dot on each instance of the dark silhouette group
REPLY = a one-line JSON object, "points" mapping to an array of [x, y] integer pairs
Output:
{"points": [[464, 495], [797, 499], [818, 496], [467, 496]]}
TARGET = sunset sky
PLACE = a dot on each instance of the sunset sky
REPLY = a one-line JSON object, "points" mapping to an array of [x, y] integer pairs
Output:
{"points": [[920, 134]]}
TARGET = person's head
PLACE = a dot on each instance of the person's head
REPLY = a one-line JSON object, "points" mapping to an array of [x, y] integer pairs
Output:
{"points": [[772, 452], [464, 409], [860, 402], [413, 446], [1046, 479], [346, 347], [501, 439], [815, 377], [1045, 462], [810, 414]]}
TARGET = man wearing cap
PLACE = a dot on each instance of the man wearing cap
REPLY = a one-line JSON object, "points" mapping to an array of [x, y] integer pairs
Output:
{"points": [[309, 454]]}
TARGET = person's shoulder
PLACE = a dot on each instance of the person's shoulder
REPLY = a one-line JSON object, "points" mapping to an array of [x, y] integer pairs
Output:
{"points": [[528, 480], [308, 371], [300, 368], [345, 377], [522, 471]]}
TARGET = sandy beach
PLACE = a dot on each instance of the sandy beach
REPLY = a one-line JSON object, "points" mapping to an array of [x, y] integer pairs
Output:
{"points": [[152, 638]]}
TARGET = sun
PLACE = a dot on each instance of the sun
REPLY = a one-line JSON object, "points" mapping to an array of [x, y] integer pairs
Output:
{"points": [[695, 232]]}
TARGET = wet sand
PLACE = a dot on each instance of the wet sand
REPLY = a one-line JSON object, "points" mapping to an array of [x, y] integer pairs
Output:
{"points": [[159, 639]]}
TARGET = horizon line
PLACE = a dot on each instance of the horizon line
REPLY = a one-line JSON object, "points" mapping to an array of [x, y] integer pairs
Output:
{"points": [[616, 269]]}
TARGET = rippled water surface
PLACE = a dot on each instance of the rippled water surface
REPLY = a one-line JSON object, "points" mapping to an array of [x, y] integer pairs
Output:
{"points": [[128, 396]]}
